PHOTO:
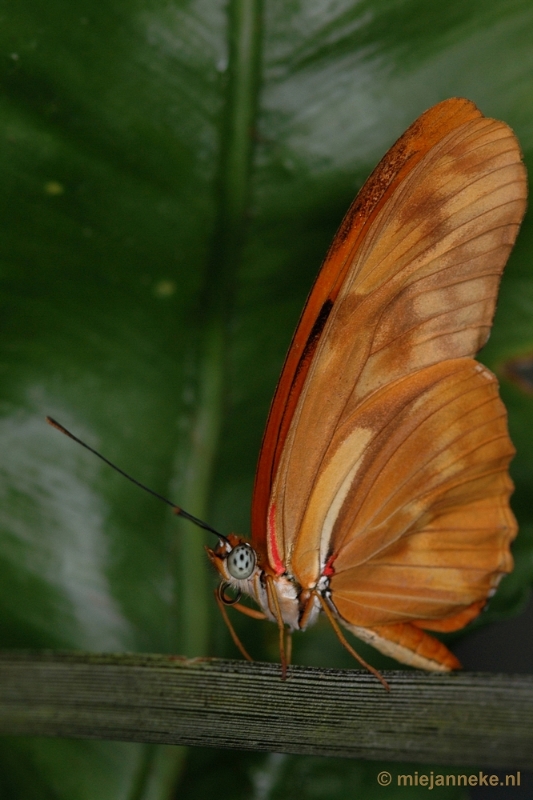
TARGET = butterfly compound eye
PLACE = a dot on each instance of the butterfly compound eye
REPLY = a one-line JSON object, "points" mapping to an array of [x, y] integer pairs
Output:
{"points": [[241, 562]]}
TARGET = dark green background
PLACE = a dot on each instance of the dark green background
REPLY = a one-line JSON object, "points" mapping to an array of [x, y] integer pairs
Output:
{"points": [[131, 258]]}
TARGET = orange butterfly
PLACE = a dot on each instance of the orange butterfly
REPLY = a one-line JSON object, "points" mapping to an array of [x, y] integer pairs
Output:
{"points": [[382, 489]]}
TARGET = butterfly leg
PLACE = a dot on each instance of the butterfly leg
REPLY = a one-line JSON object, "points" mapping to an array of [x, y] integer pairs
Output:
{"points": [[233, 633], [342, 639], [248, 612], [288, 646], [308, 605], [273, 603]]}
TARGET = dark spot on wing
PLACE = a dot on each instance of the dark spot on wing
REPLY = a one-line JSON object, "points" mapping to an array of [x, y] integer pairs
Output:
{"points": [[316, 330], [299, 377]]}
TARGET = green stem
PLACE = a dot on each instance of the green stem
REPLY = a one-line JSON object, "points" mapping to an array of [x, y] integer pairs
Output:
{"points": [[194, 598], [244, 68], [233, 196], [464, 719], [194, 601]]}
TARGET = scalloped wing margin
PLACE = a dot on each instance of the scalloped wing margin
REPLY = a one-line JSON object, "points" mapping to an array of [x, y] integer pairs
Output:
{"points": [[421, 527]]}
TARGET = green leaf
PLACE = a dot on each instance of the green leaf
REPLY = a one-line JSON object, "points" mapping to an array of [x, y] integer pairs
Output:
{"points": [[171, 176]]}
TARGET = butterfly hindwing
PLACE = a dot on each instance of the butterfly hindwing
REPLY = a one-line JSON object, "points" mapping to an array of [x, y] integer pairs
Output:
{"points": [[424, 533]]}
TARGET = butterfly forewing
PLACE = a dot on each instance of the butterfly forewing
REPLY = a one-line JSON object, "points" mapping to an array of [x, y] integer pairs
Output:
{"points": [[416, 142], [421, 289]]}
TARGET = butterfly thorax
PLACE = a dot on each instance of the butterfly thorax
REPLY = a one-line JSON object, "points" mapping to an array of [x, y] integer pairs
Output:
{"points": [[245, 571]]}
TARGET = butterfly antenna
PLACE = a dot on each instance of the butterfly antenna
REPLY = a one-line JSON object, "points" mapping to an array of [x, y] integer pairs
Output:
{"points": [[180, 512]]}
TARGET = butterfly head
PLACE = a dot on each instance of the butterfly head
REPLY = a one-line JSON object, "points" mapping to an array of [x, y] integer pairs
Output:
{"points": [[234, 558]]}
